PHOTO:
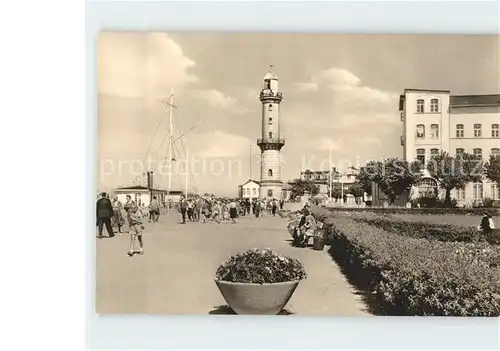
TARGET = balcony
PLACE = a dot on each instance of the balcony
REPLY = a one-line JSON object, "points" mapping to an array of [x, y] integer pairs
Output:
{"points": [[270, 143], [269, 94]]}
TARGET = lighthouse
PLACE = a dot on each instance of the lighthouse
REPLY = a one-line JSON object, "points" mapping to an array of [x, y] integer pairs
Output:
{"points": [[270, 142]]}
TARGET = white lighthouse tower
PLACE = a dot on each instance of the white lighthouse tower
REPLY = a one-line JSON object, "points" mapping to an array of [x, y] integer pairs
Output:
{"points": [[271, 142]]}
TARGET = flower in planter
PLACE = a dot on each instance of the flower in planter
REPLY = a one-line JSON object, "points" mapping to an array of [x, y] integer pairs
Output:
{"points": [[260, 266]]}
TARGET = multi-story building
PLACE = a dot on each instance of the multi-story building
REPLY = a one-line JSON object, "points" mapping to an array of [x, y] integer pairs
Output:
{"points": [[322, 178], [435, 120]]}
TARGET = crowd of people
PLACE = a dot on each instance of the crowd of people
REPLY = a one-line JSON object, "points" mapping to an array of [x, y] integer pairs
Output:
{"points": [[110, 212], [225, 210]]}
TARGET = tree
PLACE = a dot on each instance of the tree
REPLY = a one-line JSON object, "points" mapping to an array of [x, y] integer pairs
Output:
{"points": [[336, 191], [302, 186], [356, 190], [397, 176], [451, 173], [368, 174], [492, 169]]}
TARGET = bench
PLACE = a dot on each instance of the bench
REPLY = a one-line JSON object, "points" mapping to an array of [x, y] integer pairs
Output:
{"points": [[317, 232]]}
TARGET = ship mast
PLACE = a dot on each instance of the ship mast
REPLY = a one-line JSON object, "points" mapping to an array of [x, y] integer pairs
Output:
{"points": [[170, 144]]}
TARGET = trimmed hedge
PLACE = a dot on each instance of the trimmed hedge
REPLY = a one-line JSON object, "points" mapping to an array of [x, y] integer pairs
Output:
{"points": [[424, 230], [416, 276], [417, 211]]}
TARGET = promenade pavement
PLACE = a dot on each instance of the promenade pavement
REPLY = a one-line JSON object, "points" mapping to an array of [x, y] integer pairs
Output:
{"points": [[175, 275]]}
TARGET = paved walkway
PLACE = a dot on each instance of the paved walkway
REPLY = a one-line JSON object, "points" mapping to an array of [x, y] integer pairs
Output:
{"points": [[175, 275]]}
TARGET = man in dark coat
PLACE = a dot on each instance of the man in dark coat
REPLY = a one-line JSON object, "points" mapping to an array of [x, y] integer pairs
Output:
{"points": [[104, 212]]}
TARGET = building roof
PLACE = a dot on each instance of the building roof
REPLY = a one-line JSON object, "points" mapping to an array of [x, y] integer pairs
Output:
{"points": [[427, 90], [271, 74], [286, 186], [250, 181], [141, 187], [474, 100]]}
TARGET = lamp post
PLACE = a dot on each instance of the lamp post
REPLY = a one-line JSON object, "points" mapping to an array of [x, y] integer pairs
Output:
{"points": [[341, 190], [330, 177]]}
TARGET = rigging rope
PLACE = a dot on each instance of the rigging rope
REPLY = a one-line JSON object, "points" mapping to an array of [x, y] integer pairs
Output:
{"points": [[184, 148], [189, 176], [154, 135]]}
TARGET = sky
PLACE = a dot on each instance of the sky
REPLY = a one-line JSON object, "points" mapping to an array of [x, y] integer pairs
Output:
{"points": [[340, 97]]}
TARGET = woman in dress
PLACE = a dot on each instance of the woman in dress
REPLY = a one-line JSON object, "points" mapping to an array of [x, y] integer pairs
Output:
{"points": [[233, 211], [225, 212]]}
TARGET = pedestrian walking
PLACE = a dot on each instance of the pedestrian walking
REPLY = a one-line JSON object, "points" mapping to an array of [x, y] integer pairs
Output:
{"points": [[256, 209], [154, 209], [183, 208], [117, 213], [233, 211], [136, 228]]}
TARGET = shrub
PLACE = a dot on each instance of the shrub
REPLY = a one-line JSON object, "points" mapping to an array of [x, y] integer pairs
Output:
{"points": [[260, 266], [416, 276], [424, 230], [418, 211]]}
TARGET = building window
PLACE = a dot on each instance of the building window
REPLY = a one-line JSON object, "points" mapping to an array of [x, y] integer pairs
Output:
{"points": [[270, 193], [434, 105], [248, 191], [459, 152], [270, 135], [270, 173], [267, 84], [270, 107], [270, 120], [478, 191], [254, 191], [495, 151], [478, 153], [421, 156], [460, 131], [495, 191], [477, 131], [461, 194], [495, 130], [420, 106], [318, 176], [434, 131], [434, 153], [420, 131], [427, 187]]}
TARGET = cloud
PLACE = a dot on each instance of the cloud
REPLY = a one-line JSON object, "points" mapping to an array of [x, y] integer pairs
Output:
{"points": [[217, 99], [220, 144], [336, 78], [325, 144], [307, 86], [344, 103], [141, 65], [369, 140]]}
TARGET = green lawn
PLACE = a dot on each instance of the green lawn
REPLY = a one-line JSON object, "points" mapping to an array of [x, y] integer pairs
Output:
{"points": [[464, 221]]}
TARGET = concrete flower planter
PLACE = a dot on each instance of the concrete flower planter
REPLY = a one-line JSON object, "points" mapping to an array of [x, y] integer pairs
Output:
{"points": [[250, 298]]}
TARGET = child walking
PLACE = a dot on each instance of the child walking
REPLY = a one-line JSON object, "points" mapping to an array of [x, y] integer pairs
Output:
{"points": [[136, 227]]}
